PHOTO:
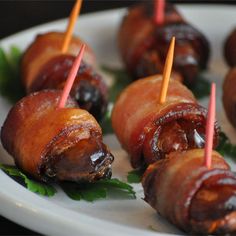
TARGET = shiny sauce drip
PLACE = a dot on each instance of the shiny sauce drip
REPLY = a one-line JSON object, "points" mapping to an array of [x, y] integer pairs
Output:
{"points": [[180, 135]]}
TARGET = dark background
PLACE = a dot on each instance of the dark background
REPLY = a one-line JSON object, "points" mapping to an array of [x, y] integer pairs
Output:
{"points": [[19, 15]]}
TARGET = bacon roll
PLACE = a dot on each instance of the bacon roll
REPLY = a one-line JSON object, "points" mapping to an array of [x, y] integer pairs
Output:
{"points": [[230, 49], [51, 143], [143, 44], [229, 96], [45, 67], [191, 196], [148, 130]]}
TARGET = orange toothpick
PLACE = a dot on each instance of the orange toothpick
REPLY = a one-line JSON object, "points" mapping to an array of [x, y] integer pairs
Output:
{"points": [[210, 127], [159, 12], [167, 71], [68, 34], [71, 77]]}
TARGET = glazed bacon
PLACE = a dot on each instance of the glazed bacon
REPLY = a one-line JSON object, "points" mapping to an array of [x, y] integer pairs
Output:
{"points": [[45, 67], [143, 44], [191, 196], [230, 49], [51, 143], [229, 96], [148, 130]]}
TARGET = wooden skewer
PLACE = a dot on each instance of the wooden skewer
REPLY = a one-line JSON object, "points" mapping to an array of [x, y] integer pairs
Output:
{"points": [[210, 127], [70, 79], [68, 34], [167, 71]]}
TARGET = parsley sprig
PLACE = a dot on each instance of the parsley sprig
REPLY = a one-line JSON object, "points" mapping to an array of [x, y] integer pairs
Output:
{"points": [[225, 147], [33, 185], [121, 80], [76, 191], [10, 81], [135, 176], [201, 88], [100, 189]]}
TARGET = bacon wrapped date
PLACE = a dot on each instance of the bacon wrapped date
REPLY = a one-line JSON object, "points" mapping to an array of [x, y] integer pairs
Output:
{"points": [[51, 143], [148, 130], [143, 44], [229, 96], [45, 67], [191, 196], [230, 49]]}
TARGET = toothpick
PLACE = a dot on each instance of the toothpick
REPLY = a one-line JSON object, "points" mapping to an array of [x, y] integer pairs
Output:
{"points": [[70, 79], [210, 127], [167, 71], [68, 34], [159, 13]]}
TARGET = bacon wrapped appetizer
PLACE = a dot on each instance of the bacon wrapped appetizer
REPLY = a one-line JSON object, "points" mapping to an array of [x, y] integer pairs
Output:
{"points": [[191, 196], [230, 49], [51, 143], [45, 67], [143, 44], [148, 130], [229, 96]]}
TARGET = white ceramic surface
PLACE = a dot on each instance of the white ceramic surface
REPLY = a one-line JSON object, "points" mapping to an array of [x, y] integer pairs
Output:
{"points": [[60, 215]]}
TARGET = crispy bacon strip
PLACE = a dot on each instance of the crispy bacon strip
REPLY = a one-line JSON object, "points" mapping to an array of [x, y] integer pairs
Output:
{"points": [[229, 96], [63, 144], [45, 47], [148, 130], [45, 67], [191, 196], [143, 44]]}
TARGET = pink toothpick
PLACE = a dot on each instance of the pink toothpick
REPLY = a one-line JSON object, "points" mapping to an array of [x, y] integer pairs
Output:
{"points": [[159, 14], [210, 126], [71, 77]]}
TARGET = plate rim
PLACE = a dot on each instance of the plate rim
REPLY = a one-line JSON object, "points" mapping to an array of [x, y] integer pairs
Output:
{"points": [[9, 201], [41, 213]]}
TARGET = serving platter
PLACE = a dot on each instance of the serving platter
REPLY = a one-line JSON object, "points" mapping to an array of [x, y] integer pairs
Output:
{"points": [[60, 215]]}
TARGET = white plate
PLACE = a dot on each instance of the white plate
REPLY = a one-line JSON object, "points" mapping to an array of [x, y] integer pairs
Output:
{"points": [[60, 215]]}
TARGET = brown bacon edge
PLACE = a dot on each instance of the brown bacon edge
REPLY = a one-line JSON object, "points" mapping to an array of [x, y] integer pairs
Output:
{"points": [[37, 134], [229, 96], [137, 116], [44, 47], [43, 61], [230, 49], [88, 89], [144, 51], [148, 151], [170, 186]]}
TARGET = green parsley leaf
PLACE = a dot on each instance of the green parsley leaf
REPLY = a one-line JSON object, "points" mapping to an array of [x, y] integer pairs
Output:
{"points": [[105, 123], [201, 88], [33, 185], [116, 183], [10, 81], [85, 191], [121, 80], [94, 191], [135, 176], [225, 147], [4, 68]]}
